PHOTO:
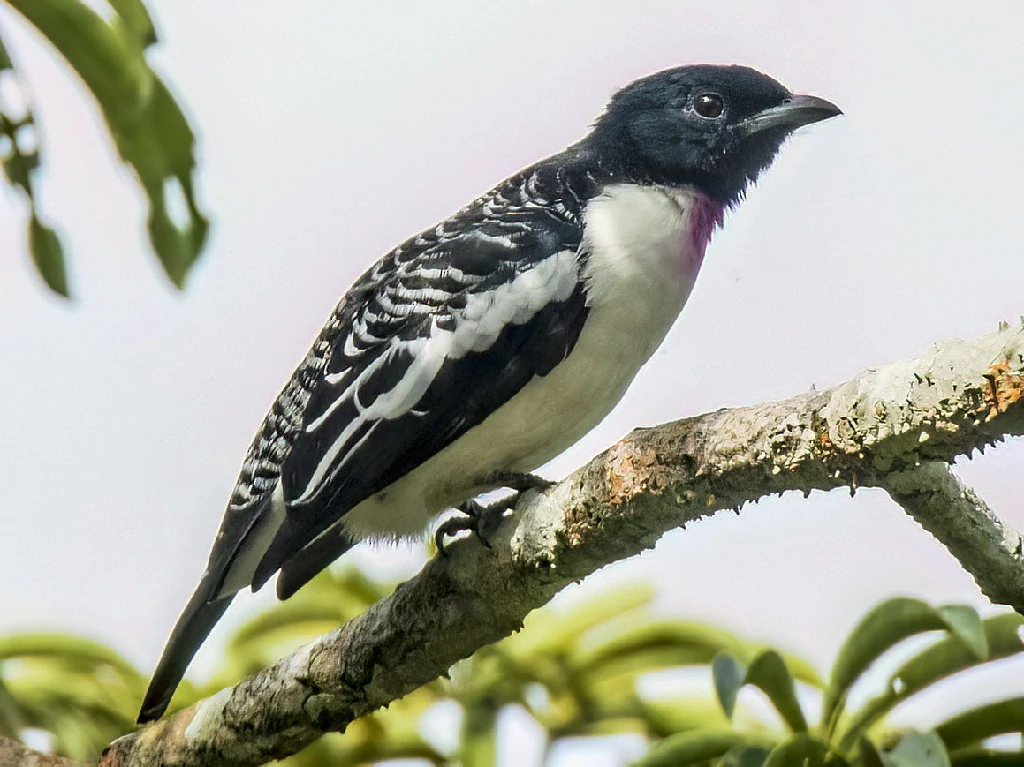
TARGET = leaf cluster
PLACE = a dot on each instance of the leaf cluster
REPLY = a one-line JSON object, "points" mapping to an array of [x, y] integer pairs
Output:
{"points": [[578, 673], [858, 736], [108, 52]]}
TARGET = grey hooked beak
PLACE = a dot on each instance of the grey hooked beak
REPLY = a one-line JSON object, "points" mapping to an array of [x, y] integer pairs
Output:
{"points": [[794, 112]]}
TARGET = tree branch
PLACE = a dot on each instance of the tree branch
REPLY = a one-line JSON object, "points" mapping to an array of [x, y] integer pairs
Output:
{"points": [[877, 429], [988, 548]]}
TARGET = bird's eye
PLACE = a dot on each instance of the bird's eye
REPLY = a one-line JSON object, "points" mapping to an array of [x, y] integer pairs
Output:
{"points": [[709, 105]]}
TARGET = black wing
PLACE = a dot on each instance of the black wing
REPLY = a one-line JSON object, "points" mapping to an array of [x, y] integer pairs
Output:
{"points": [[453, 333]]}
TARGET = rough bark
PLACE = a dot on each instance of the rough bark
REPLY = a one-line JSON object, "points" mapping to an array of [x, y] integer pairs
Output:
{"points": [[885, 428], [988, 548]]}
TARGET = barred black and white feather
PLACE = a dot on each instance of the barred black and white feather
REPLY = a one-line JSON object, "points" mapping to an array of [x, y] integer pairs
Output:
{"points": [[449, 279]]}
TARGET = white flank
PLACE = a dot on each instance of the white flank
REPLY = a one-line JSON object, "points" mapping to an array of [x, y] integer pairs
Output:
{"points": [[477, 327]]}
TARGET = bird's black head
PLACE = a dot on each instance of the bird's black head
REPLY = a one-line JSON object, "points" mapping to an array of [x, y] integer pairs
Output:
{"points": [[716, 127]]}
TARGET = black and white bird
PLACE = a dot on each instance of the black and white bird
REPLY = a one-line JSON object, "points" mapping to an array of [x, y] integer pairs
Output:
{"points": [[480, 349]]}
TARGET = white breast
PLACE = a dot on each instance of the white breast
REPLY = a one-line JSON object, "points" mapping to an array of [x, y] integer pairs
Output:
{"points": [[644, 248]]}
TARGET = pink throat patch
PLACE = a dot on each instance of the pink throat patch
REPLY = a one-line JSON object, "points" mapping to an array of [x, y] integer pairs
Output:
{"points": [[707, 215]]}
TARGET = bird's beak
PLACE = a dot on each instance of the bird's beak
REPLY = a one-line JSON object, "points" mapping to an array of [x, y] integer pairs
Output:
{"points": [[794, 112]]}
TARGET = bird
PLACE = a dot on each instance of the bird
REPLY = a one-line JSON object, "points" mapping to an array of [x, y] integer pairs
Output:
{"points": [[479, 349]]}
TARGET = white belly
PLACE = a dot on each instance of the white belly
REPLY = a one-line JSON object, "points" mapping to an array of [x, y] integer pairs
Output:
{"points": [[645, 247]]}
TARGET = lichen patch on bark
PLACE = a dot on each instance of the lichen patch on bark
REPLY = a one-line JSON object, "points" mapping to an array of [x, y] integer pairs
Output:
{"points": [[632, 470], [1006, 387]]}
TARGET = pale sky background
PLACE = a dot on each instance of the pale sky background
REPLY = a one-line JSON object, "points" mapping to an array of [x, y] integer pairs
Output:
{"points": [[329, 133]]}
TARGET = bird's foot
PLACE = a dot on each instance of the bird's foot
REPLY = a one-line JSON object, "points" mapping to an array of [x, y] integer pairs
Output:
{"points": [[484, 520]]}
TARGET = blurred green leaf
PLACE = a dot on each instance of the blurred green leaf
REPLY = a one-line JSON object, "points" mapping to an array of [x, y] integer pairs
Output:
{"points": [[802, 751], [591, 616], [80, 691], [885, 626], [936, 662], [964, 623], [986, 757], [696, 748], [84, 653], [146, 124], [972, 727], [135, 21], [950, 655], [352, 590], [5, 58], [11, 719], [479, 742], [868, 755], [368, 740], [745, 756], [47, 255], [44, 705], [694, 643], [113, 69], [670, 716], [729, 676], [322, 605], [615, 672], [160, 149], [918, 749], [581, 630], [295, 617], [801, 669], [18, 162], [19, 158], [769, 673]]}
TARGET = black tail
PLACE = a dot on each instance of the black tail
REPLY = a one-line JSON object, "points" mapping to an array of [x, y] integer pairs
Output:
{"points": [[195, 623], [297, 571], [229, 570]]}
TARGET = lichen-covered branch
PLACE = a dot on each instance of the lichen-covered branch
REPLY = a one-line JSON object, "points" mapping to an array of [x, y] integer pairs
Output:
{"points": [[988, 548], [959, 396]]}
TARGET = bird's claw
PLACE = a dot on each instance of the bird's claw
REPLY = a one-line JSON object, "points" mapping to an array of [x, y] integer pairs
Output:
{"points": [[484, 521]]}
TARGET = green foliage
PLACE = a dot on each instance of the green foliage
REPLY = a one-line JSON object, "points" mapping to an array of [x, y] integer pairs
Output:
{"points": [[886, 626], [937, 662], [858, 738], [80, 691], [769, 673], [146, 124], [577, 673], [698, 747]]}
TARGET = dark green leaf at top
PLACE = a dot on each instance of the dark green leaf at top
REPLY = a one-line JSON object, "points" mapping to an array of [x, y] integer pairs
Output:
{"points": [[146, 124]]}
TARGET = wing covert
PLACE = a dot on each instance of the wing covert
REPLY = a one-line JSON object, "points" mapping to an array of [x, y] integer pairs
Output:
{"points": [[442, 343]]}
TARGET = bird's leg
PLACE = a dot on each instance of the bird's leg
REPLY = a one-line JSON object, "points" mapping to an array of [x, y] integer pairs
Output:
{"points": [[521, 481], [484, 521]]}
